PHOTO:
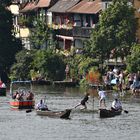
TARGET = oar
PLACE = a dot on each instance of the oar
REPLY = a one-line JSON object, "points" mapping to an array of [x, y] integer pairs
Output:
{"points": [[125, 111], [28, 111]]}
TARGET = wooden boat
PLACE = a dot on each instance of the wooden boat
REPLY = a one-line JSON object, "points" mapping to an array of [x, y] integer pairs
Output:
{"points": [[24, 103], [105, 113], [2, 91], [59, 114]]}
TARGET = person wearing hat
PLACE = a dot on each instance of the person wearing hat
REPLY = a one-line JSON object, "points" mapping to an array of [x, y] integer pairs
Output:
{"points": [[116, 105]]}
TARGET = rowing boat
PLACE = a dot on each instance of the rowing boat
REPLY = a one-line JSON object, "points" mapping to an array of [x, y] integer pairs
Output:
{"points": [[27, 104], [105, 113], [23, 88], [59, 114]]}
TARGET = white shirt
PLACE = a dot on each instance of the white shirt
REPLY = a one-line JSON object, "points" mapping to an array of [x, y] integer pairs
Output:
{"points": [[3, 85], [41, 106], [116, 104], [101, 94]]}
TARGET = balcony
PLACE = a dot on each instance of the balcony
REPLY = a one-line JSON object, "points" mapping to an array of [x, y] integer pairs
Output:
{"points": [[83, 32], [64, 32]]}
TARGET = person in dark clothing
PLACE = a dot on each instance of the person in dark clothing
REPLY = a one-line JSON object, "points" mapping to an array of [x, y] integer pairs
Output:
{"points": [[83, 101]]}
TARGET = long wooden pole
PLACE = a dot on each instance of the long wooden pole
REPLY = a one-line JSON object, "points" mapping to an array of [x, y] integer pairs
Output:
{"points": [[93, 103]]}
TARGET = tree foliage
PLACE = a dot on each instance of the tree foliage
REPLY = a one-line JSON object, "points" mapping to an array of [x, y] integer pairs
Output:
{"points": [[115, 32], [133, 60], [21, 69], [9, 45], [49, 65], [41, 35], [5, 2]]}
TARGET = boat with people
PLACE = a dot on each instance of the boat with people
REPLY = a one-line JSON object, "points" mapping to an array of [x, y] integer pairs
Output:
{"points": [[106, 113], [22, 96], [65, 114], [42, 110]]}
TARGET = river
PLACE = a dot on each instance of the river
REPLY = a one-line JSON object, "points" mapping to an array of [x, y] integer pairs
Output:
{"points": [[19, 125]]}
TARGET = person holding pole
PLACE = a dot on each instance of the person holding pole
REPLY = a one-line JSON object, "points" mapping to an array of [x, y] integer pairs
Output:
{"points": [[83, 101], [102, 97]]}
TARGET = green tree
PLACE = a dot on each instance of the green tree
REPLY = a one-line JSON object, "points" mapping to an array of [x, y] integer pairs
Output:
{"points": [[9, 44], [49, 65], [21, 69], [115, 32], [133, 60], [41, 35]]}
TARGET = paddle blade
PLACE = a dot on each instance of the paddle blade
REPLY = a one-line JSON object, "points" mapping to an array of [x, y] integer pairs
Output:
{"points": [[125, 111], [28, 111]]}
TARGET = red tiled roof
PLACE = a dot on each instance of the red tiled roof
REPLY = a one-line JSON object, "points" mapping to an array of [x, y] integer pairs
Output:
{"points": [[63, 5], [28, 7], [86, 7], [43, 3], [33, 5]]}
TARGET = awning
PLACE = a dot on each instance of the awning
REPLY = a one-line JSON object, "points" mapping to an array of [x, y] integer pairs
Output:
{"points": [[65, 37]]}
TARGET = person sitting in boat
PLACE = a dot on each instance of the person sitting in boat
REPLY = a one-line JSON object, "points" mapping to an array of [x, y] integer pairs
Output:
{"points": [[83, 101], [116, 105], [19, 96], [30, 96], [41, 106], [15, 95], [102, 97]]}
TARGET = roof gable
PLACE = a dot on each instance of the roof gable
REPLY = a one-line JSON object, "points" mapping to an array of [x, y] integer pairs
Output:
{"points": [[63, 5], [43, 3], [86, 7]]}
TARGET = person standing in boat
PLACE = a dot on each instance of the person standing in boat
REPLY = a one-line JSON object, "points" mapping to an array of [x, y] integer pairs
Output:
{"points": [[116, 105], [102, 96], [41, 105], [83, 101]]}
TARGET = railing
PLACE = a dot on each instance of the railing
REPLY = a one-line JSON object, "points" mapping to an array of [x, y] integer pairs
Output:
{"points": [[82, 32], [64, 32]]}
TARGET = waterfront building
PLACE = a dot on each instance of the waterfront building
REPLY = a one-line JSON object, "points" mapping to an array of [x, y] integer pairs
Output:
{"points": [[72, 20]]}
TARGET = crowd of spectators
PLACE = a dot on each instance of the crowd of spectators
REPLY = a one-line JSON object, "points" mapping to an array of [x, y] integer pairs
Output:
{"points": [[122, 80]]}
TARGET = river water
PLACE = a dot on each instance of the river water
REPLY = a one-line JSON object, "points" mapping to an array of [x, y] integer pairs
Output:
{"points": [[19, 125]]}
